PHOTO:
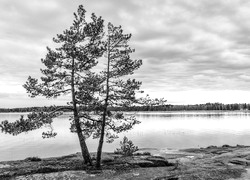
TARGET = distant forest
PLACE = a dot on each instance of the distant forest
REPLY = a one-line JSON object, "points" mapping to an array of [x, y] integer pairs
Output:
{"points": [[169, 107]]}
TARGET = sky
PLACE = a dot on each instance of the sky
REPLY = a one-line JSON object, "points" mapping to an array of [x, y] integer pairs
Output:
{"points": [[193, 51]]}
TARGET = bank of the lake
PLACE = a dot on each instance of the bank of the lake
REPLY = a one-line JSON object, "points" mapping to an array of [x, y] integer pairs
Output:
{"points": [[215, 163]]}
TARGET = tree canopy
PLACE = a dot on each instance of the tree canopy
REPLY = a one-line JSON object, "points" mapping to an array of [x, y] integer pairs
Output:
{"points": [[66, 68], [69, 71]]}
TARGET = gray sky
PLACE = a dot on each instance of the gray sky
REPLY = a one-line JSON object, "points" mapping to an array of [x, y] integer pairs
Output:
{"points": [[193, 51]]}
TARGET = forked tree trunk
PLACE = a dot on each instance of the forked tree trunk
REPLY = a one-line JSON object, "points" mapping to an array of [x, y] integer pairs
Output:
{"points": [[100, 145], [99, 150], [84, 148]]}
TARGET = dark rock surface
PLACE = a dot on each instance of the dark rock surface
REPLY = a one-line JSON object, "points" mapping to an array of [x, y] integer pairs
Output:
{"points": [[240, 161], [215, 163]]}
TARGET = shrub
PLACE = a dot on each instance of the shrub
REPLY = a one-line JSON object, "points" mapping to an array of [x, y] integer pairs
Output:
{"points": [[127, 147]]}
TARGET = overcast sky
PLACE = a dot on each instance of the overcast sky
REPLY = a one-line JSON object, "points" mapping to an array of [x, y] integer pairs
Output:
{"points": [[193, 51]]}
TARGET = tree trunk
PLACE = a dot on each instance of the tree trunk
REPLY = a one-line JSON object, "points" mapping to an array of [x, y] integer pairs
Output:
{"points": [[99, 150], [84, 148]]}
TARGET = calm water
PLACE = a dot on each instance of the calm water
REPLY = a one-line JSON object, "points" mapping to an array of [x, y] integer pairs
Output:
{"points": [[157, 129]]}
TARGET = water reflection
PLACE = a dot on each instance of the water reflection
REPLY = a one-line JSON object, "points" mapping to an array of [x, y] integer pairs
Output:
{"points": [[204, 114], [157, 129]]}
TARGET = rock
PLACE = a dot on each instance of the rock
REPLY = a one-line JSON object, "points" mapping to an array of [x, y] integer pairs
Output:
{"points": [[47, 169], [240, 146], [136, 174], [141, 163], [171, 177], [240, 161], [107, 158], [6, 174], [248, 157], [4, 165], [95, 172], [219, 152], [141, 153], [12, 173], [210, 147], [56, 176], [33, 159], [159, 161], [150, 161], [226, 146], [157, 157]]}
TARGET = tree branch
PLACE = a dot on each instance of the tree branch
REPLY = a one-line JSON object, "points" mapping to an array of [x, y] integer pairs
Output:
{"points": [[62, 91], [89, 118], [115, 44]]}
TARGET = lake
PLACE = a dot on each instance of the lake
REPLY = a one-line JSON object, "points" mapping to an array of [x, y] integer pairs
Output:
{"points": [[175, 130]]}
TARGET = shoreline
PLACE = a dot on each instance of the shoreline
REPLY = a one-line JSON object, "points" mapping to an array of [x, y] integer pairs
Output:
{"points": [[145, 111], [149, 163]]}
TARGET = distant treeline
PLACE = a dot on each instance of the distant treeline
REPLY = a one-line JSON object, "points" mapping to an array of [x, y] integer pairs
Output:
{"points": [[196, 107], [169, 107], [30, 109]]}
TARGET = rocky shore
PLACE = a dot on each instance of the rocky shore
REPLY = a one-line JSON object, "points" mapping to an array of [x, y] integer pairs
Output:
{"points": [[211, 163]]}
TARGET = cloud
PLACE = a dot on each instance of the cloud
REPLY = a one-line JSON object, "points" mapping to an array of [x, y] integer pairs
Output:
{"points": [[185, 45], [203, 36]]}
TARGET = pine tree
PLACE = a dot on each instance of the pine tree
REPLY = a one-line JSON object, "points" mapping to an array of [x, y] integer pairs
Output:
{"points": [[118, 90], [66, 69]]}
